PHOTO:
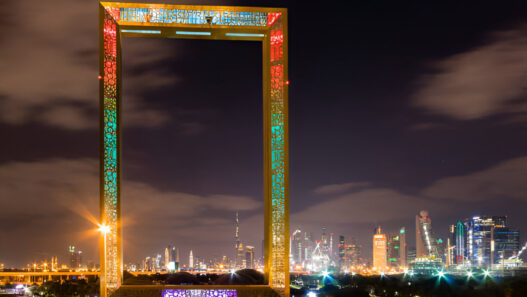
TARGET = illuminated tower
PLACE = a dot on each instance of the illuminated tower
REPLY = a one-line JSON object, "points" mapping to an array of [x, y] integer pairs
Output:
{"points": [[379, 250]]}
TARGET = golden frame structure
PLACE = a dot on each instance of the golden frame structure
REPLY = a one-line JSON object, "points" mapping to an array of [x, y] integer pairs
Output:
{"points": [[267, 25]]}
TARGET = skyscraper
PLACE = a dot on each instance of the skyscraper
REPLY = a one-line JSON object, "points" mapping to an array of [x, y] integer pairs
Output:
{"points": [[506, 242], [342, 256], [379, 249], [309, 246], [324, 240], [237, 243], [237, 232], [296, 247], [240, 257], [191, 260], [331, 252], [75, 257], [488, 238], [394, 249], [167, 257], [73, 260], [402, 248], [426, 245], [249, 256], [348, 254]]}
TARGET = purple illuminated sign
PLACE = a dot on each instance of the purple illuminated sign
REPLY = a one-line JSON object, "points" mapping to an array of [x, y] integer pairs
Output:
{"points": [[200, 293]]}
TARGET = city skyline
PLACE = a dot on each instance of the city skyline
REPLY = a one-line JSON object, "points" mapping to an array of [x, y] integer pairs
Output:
{"points": [[306, 244], [386, 147]]}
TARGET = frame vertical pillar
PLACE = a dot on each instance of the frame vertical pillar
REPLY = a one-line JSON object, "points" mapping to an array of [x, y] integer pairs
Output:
{"points": [[110, 142], [276, 156]]}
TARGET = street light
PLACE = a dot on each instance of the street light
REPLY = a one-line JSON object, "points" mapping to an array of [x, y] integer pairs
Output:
{"points": [[104, 229]]}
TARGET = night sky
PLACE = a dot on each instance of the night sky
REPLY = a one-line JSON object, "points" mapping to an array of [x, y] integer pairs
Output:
{"points": [[395, 106]]}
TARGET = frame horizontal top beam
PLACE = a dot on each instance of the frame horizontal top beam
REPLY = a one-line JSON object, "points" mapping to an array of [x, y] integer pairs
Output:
{"points": [[194, 7], [197, 16]]}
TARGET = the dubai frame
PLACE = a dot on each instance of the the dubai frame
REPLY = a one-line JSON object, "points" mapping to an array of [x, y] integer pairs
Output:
{"points": [[266, 25]]}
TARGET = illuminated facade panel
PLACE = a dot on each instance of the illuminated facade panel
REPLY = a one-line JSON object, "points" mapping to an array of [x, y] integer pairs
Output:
{"points": [[267, 25], [192, 17]]}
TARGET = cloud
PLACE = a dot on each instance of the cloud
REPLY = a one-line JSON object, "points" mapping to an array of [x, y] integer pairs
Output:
{"points": [[340, 188], [367, 206], [504, 180], [50, 75], [55, 203], [426, 126], [486, 80]]}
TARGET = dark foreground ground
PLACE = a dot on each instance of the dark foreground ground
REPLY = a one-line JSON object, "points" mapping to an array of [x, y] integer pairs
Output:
{"points": [[330, 286]]}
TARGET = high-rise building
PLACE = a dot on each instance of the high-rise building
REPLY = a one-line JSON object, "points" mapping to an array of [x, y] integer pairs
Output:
{"points": [[324, 241], [147, 264], [342, 256], [451, 246], [354, 252], [309, 247], [240, 257], [171, 259], [506, 243], [349, 254], [158, 262], [296, 247], [402, 248], [488, 239], [459, 250], [191, 260], [237, 232], [249, 256], [237, 242], [426, 245], [75, 257], [379, 249], [54, 264], [167, 257], [410, 255], [393, 249], [331, 251]]}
